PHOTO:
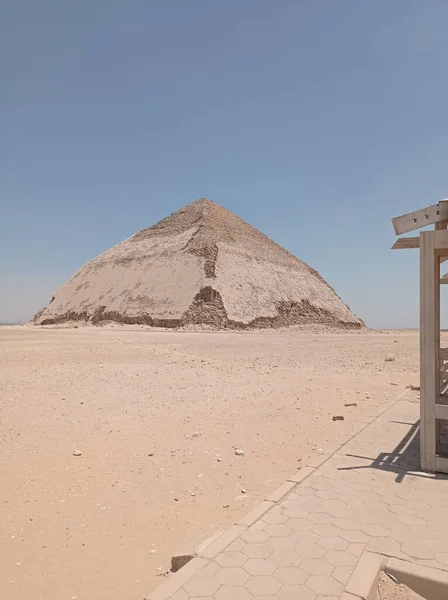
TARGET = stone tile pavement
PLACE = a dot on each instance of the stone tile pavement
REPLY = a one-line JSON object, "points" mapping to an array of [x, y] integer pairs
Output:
{"points": [[305, 540]]}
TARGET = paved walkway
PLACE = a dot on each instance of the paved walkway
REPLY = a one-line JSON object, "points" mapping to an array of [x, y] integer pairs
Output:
{"points": [[304, 541]]}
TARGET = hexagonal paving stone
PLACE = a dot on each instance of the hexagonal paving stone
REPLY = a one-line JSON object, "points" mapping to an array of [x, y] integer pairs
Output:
{"points": [[281, 543], [342, 574], [259, 566], [316, 566], [354, 536], [356, 549], [210, 569], [296, 512], [295, 592], [274, 517], [346, 524], [258, 550], [321, 518], [327, 495], [180, 595], [237, 545], [290, 575], [324, 585], [255, 536], [232, 592], [375, 530], [201, 585], [384, 545], [285, 558], [262, 586], [336, 543], [325, 530], [341, 558], [309, 550], [417, 550], [304, 536], [231, 559], [435, 544], [299, 524], [277, 529], [231, 576]]}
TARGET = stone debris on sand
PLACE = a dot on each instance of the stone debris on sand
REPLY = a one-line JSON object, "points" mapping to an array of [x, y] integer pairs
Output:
{"points": [[201, 266]]}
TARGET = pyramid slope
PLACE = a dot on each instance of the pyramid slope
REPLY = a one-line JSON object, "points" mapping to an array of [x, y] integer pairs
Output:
{"points": [[201, 264]]}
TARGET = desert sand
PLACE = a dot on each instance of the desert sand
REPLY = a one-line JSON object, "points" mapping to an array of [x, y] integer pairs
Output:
{"points": [[155, 417], [388, 589]]}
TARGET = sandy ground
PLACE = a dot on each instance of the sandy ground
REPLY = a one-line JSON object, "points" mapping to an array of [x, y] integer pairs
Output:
{"points": [[389, 590], [157, 416]]}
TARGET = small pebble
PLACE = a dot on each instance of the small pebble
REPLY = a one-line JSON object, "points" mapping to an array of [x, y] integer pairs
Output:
{"points": [[389, 359], [243, 491], [239, 452], [226, 505], [77, 453], [197, 434], [338, 418]]}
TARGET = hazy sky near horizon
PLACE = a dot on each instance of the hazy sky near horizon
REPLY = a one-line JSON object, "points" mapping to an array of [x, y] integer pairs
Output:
{"points": [[316, 121]]}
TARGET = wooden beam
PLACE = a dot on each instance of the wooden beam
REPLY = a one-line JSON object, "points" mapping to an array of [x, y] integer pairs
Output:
{"points": [[441, 464], [421, 218], [429, 348], [404, 243], [442, 411]]}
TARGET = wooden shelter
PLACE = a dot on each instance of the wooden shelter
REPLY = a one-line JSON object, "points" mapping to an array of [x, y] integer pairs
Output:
{"points": [[433, 359]]}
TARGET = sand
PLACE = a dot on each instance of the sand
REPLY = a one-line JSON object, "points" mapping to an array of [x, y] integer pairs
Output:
{"points": [[157, 416], [389, 590]]}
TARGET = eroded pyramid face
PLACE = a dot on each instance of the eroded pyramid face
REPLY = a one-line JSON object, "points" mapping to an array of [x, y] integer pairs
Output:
{"points": [[201, 264]]}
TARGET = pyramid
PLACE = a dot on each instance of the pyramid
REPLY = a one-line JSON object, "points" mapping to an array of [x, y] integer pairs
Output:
{"points": [[200, 265]]}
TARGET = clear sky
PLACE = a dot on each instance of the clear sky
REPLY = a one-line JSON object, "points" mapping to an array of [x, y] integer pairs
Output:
{"points": [[314, 120]]}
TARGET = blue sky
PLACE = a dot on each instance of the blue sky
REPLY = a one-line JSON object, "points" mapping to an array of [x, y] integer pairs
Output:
{"points": [[316, 121]]}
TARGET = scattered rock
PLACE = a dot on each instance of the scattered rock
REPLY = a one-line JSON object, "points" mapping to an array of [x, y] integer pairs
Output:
{"points": [[243, 491], [338, 418], [392, 383], [151, 454], [389, 359], [239, 452], [77, 453], [153, 551], [226, 505], [176, 499], [415, 388], [219, 459], [197, 434], [348, 404]]}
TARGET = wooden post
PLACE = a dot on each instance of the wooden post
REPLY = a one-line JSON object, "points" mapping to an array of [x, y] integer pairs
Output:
{"points": [[429, 348]]}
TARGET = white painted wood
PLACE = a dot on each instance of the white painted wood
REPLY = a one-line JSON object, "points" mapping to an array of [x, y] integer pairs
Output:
{"points": [[421, 218], [441, 240], [429, 348], [442, 411], [442, 464], [407, 242]]}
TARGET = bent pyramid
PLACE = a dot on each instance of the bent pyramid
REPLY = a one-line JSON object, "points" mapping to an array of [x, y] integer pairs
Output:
{"points": [[201, 264]]}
